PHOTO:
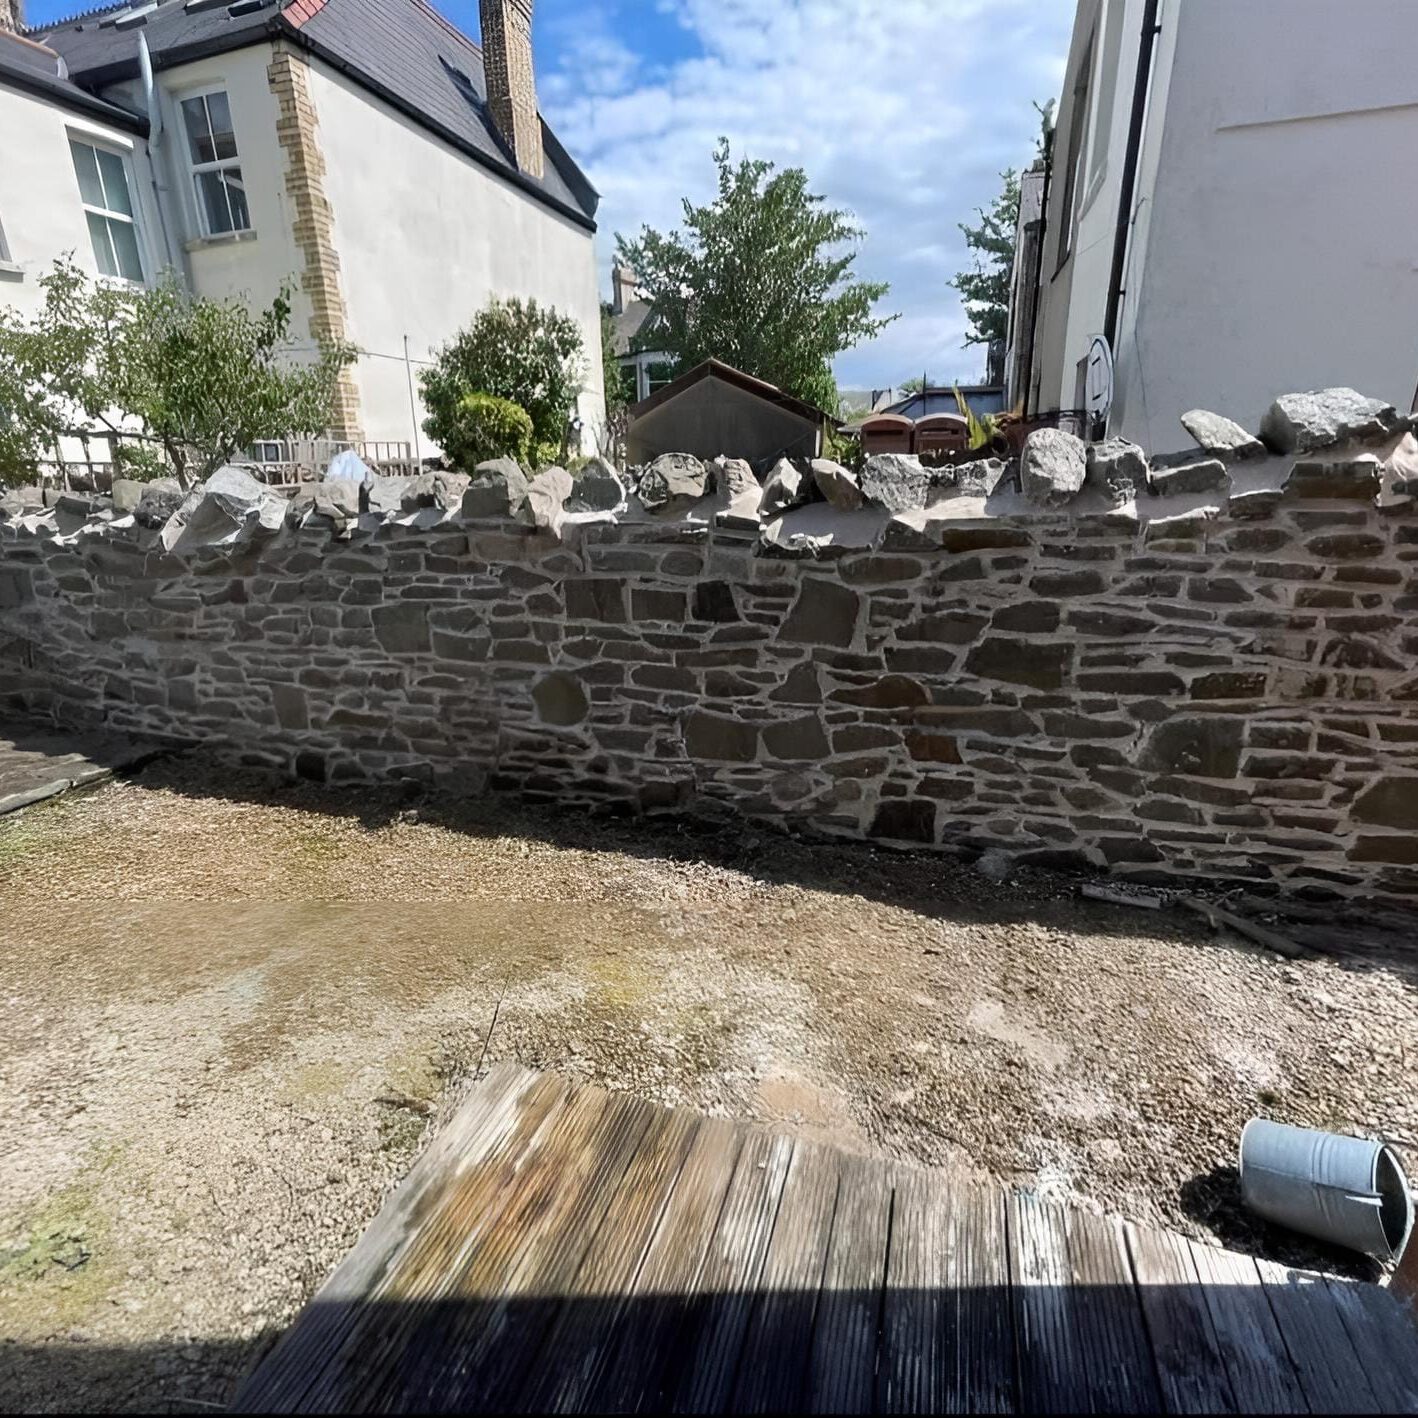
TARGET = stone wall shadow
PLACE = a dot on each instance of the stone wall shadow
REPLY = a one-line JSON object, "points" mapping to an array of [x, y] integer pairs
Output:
{"points": [[934, 884]]}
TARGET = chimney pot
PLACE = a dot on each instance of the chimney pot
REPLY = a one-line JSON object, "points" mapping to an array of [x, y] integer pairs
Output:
{"points": [[511, 81]]}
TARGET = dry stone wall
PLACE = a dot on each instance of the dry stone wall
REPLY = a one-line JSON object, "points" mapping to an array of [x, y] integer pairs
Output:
{"points": [[1222, 684]]}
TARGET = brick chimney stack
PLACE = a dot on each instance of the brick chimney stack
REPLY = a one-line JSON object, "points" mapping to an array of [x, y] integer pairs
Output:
{"points": [[511, 84], [623, 288]]}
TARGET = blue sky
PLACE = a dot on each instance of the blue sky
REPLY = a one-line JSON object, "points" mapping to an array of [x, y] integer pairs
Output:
{"points": [[903, 113]]}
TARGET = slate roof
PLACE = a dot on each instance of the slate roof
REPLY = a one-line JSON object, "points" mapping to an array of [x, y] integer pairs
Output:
{"points": [[32, 67], [402, 51], [627, 325]]}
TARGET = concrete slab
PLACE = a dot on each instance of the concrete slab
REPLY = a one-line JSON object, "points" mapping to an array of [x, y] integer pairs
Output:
{"points": [[39, 761]]}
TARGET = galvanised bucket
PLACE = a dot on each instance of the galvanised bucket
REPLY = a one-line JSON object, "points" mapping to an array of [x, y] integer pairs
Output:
{"points": [[1349, 1190]]}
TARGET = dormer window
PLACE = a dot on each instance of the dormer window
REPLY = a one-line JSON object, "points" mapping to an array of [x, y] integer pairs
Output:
{"points": [[216, 169]]}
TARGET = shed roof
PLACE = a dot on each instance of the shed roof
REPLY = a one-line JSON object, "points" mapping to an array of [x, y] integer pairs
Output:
{"points": [[717, 369], [402, 51]]}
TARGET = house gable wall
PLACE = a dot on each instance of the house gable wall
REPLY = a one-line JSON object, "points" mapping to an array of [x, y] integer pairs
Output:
{"points": [[426, 237]]}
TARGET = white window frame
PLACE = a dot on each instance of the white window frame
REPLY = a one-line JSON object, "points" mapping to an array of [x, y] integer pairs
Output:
{"points": [[194, 168], [89, 140]]}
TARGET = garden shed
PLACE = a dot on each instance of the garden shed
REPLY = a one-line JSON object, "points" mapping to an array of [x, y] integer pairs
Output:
{"points": [[716, 409]]}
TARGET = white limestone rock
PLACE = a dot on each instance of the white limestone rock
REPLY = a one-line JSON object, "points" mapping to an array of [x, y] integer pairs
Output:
{"points": [[1298, 423], [785, 486], [546, 497], [897, 482], [1221, 437], [673, 477], [1052, 467], [597, 488], [497, 488], [230, 507], [838, 485]]}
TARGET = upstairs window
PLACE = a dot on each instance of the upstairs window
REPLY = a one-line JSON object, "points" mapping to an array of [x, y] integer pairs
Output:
{"points": [[216, 168], [108, 208], [1073, 163]]}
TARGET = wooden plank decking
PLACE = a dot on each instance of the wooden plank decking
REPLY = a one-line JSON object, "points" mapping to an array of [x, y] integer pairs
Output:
{"points": [[562, 1249]]}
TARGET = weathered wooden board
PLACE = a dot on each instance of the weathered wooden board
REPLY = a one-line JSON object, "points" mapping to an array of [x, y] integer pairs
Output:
{"points": [[842, 1373], [1331, 1372], [1180, 1329], [563, 1249], [575, 1349], [641, 1354], [1045, 1319], [500, 1121], [1112, 1357], [718, 1310], [916, 1355], [1258, 1367], [777, 1352], [981, 1374], [1383, 1334], [513, 1311]]}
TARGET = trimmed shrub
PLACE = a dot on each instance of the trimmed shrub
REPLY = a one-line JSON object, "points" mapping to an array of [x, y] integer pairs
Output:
{"points": [[482, 426]]}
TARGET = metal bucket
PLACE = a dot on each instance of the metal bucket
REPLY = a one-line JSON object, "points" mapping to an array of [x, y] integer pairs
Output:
{"points": [[1348, 1190]]}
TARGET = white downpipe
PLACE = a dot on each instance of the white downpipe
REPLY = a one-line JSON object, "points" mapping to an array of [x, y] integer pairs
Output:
{"points": [[413, 405], [155, 134]]}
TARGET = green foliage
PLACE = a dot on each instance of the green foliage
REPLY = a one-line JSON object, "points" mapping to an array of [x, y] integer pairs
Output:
{"points": [[844, 448], [139, 461], [207, 378], [619, 382], [759, 278], [527, 354], [55, 374], [985, 288], [202, 378], [479, 427], [982, 430]]}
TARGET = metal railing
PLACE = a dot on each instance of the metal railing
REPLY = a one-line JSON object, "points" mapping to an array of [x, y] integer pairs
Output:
{"points": [[283, 463]]}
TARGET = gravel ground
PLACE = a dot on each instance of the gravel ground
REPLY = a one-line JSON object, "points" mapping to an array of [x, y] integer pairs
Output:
{"points": [[233, 1009]]}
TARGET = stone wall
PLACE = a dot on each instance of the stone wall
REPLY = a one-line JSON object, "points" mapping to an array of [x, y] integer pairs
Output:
{"points": [[1218, 684]]}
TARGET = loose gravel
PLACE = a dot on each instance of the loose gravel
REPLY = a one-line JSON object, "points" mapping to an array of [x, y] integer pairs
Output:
{"points": [[234, 1009]]}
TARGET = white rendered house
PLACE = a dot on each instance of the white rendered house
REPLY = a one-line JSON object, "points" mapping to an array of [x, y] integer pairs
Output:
{"points": [[1228, 204], [399, 172]]}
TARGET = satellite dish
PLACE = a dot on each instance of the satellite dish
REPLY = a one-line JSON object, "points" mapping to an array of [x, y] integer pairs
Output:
{"points": [[1098, 386]]}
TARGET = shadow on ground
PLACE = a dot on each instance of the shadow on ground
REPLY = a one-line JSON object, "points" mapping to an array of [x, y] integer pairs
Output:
{"points": [[1234, 1347], [936, 885]]}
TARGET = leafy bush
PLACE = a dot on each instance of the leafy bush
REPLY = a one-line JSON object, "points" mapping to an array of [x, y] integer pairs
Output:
{"points": [[479, 427], [517, 351], [200, 378], [139, 461]]}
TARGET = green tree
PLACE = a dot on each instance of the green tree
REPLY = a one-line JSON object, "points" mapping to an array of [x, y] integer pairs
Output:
{"points": [[201, 378], [55, 375], [207, 378], [760, 278], [985, 288], [516, 350]]}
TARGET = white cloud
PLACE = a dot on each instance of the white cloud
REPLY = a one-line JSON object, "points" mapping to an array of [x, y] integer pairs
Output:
{"points": [[904, 114]]}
